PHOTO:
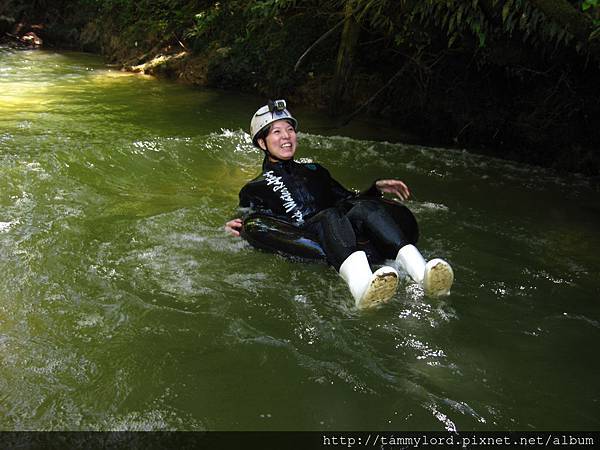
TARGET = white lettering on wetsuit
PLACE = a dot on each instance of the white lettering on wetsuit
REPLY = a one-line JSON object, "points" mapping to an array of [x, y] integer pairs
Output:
{"points": [[288, 201]]}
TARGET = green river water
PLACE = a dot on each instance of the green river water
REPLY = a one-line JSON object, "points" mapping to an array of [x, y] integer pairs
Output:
{"points": [[125, 306]]}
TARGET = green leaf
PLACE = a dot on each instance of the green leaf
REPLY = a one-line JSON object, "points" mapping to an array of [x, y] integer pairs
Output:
{"points": [[505, 11], [587, 4]]}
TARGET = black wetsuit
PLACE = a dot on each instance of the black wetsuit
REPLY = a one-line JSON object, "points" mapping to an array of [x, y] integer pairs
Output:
{"points": [[307, 196]]}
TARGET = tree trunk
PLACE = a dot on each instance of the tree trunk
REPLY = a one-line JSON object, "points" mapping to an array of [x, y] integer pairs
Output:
{"points": [[345, 61]]}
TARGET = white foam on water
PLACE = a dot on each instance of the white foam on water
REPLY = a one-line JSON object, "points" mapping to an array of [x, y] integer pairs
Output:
{"points": [[424, 350], [143, 146], [6, 226], [152, 420], [448, 424], [418, 207], [463, 408]]}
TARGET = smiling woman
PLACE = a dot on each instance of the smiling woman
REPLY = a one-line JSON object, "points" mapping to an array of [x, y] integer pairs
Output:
{"points": [[280, 141], [273, 126], [317, 205]]}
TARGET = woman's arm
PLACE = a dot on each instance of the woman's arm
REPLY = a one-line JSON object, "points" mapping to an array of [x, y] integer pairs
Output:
{"points": [[394, 187]]}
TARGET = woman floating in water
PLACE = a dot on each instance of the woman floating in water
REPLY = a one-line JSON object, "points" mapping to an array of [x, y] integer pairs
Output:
{"points": [[310, 200]]}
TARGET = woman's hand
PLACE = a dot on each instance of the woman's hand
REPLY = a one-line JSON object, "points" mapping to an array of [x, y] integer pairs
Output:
{"points": [[395, 187], [234, 227]]}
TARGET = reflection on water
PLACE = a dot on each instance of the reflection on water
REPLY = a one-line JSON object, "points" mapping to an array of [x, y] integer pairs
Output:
{"points": [[123, 305]]}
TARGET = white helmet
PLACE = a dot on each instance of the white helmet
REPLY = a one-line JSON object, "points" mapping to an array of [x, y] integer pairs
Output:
{"points": [[266, 115]]}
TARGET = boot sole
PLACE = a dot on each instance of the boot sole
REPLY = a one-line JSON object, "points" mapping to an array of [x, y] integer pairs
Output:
{"points": [[381, 290], [438, 279]]}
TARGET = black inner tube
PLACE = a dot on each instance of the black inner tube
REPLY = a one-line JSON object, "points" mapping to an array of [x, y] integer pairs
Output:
{"points": [[279, 236]]}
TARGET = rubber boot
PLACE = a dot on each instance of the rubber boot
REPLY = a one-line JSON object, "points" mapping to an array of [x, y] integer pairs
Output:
{"points": [[412, 261], [438, 279], [436, 276], [368, 288]]}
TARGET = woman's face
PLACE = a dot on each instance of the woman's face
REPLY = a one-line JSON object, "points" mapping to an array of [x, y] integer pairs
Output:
{"points": [[281, 140]]}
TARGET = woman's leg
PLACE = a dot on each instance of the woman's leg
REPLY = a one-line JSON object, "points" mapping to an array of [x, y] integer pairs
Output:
{"points": [[338, 240], [335, 234], [371, 219]]}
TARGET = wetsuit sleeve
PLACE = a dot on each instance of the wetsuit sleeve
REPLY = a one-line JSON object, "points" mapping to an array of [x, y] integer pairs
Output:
{"points": [[247, 200], [251, 201], [372, 191]]}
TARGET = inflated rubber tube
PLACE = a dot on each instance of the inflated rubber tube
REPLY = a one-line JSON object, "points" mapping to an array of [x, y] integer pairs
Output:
{"points": [[279, 236]]}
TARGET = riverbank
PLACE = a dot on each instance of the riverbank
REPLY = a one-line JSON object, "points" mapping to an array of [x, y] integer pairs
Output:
{"points": [[533, 103], [176, 62]]}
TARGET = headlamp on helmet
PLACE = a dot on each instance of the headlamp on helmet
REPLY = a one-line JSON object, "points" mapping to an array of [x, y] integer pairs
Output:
{"points": [[276, 105]]}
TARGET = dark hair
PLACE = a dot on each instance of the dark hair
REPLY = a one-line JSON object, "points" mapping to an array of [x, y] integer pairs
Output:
{"points": [[262, 134]]}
